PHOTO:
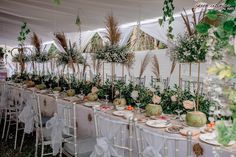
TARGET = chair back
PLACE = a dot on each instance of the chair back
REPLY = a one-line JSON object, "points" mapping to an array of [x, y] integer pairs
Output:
{"points": [[164, 81], [139, 80], [190, 83], [116, 78], [118, 135], [67, 112], [156, 144]]}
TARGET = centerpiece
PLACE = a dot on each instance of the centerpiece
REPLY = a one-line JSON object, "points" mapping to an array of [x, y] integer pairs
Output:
{"points": [[191, 48], [154, 109], [112, 52]]}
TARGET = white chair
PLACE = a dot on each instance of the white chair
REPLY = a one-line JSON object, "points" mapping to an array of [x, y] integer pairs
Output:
{"points": [[164, 81], [42, 135], [27, 115], [190, 83], [154, 144], [12, 111], [73, 146], [2, 100], [139, 81], [114, 137], [116, 78]]}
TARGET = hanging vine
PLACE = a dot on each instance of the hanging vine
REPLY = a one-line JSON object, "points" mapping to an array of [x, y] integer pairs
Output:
{"points": [[168, 16]]}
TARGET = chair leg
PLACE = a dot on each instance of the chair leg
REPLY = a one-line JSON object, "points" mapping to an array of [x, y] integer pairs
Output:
{"points": [[4, 126], [22, 141], [16, 134], [42, 149], [8, 128], [36, 144]]}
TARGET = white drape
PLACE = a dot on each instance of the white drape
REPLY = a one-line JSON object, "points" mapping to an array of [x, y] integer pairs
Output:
{"points": [[104, 146], [56, 126]]}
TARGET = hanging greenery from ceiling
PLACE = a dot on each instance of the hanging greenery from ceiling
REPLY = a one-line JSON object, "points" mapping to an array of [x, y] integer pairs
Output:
{"points": [[168, 16], [23, 33]]}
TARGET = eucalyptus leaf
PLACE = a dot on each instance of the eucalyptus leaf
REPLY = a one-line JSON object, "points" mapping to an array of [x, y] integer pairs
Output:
{"points": [[229, 26], [212, 14], [203, 28]]}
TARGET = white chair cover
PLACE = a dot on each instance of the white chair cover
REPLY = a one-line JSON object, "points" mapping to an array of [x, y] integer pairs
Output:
{"points": [[27, 116], [153, 144], [104, 146], [56, 126]]}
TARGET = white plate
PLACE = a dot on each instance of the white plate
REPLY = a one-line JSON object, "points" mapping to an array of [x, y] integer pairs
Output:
{"points": [[121, 113], [210, 138], [91, 104], [158, 123]]}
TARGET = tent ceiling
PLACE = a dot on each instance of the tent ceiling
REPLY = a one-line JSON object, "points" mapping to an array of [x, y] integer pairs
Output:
{"points": [[45, 17]]}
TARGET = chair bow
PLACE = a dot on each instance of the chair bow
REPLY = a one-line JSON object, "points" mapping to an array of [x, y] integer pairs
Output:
{"points": [[104, 148], [27, 116], [150, 152], [56, 126]]}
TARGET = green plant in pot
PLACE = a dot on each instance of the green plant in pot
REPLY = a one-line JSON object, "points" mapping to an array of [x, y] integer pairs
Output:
{"points": [[154, 109]]}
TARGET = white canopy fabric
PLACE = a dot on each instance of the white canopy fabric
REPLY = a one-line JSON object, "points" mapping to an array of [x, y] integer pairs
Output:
{"points": [[44, 17]]}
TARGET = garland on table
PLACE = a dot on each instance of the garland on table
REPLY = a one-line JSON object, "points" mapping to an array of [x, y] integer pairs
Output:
{"points": [[171, 99]]}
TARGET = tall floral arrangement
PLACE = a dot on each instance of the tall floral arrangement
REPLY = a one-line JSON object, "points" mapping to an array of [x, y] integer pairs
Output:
{"points": [[70, 54], [112, 51]]}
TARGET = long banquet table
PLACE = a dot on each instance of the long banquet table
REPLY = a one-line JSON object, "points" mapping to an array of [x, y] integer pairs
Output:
{"points": [[85, 121]]}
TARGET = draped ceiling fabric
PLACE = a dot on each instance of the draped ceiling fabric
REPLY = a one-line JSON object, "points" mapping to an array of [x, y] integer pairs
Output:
{"points": [[44, 17]]}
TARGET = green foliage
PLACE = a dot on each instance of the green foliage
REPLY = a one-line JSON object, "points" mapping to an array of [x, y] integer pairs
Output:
{"points": [[72, 55], [125, 90], [168, 12], [17, 58], [113, 53], [190, 49], [2, 52], [23, 33], [226, 134], [223, 25]]}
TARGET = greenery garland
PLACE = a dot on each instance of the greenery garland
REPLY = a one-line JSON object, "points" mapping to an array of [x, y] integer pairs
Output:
{"points": [[168, 16]]}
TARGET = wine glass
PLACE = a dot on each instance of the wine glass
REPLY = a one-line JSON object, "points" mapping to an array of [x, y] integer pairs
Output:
{"points": [[50, 87], [178, 111], [106, 99], [138, 104]]}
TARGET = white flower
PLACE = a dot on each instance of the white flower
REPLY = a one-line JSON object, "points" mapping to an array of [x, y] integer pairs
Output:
{"points": [[152, 89], [173, 98], [212, 108], [117, 93], [134, 94], [156, 99]]}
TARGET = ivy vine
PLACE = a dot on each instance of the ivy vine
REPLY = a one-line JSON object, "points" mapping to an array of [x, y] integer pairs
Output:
{"points": [[168, 16], [23, 33]]}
